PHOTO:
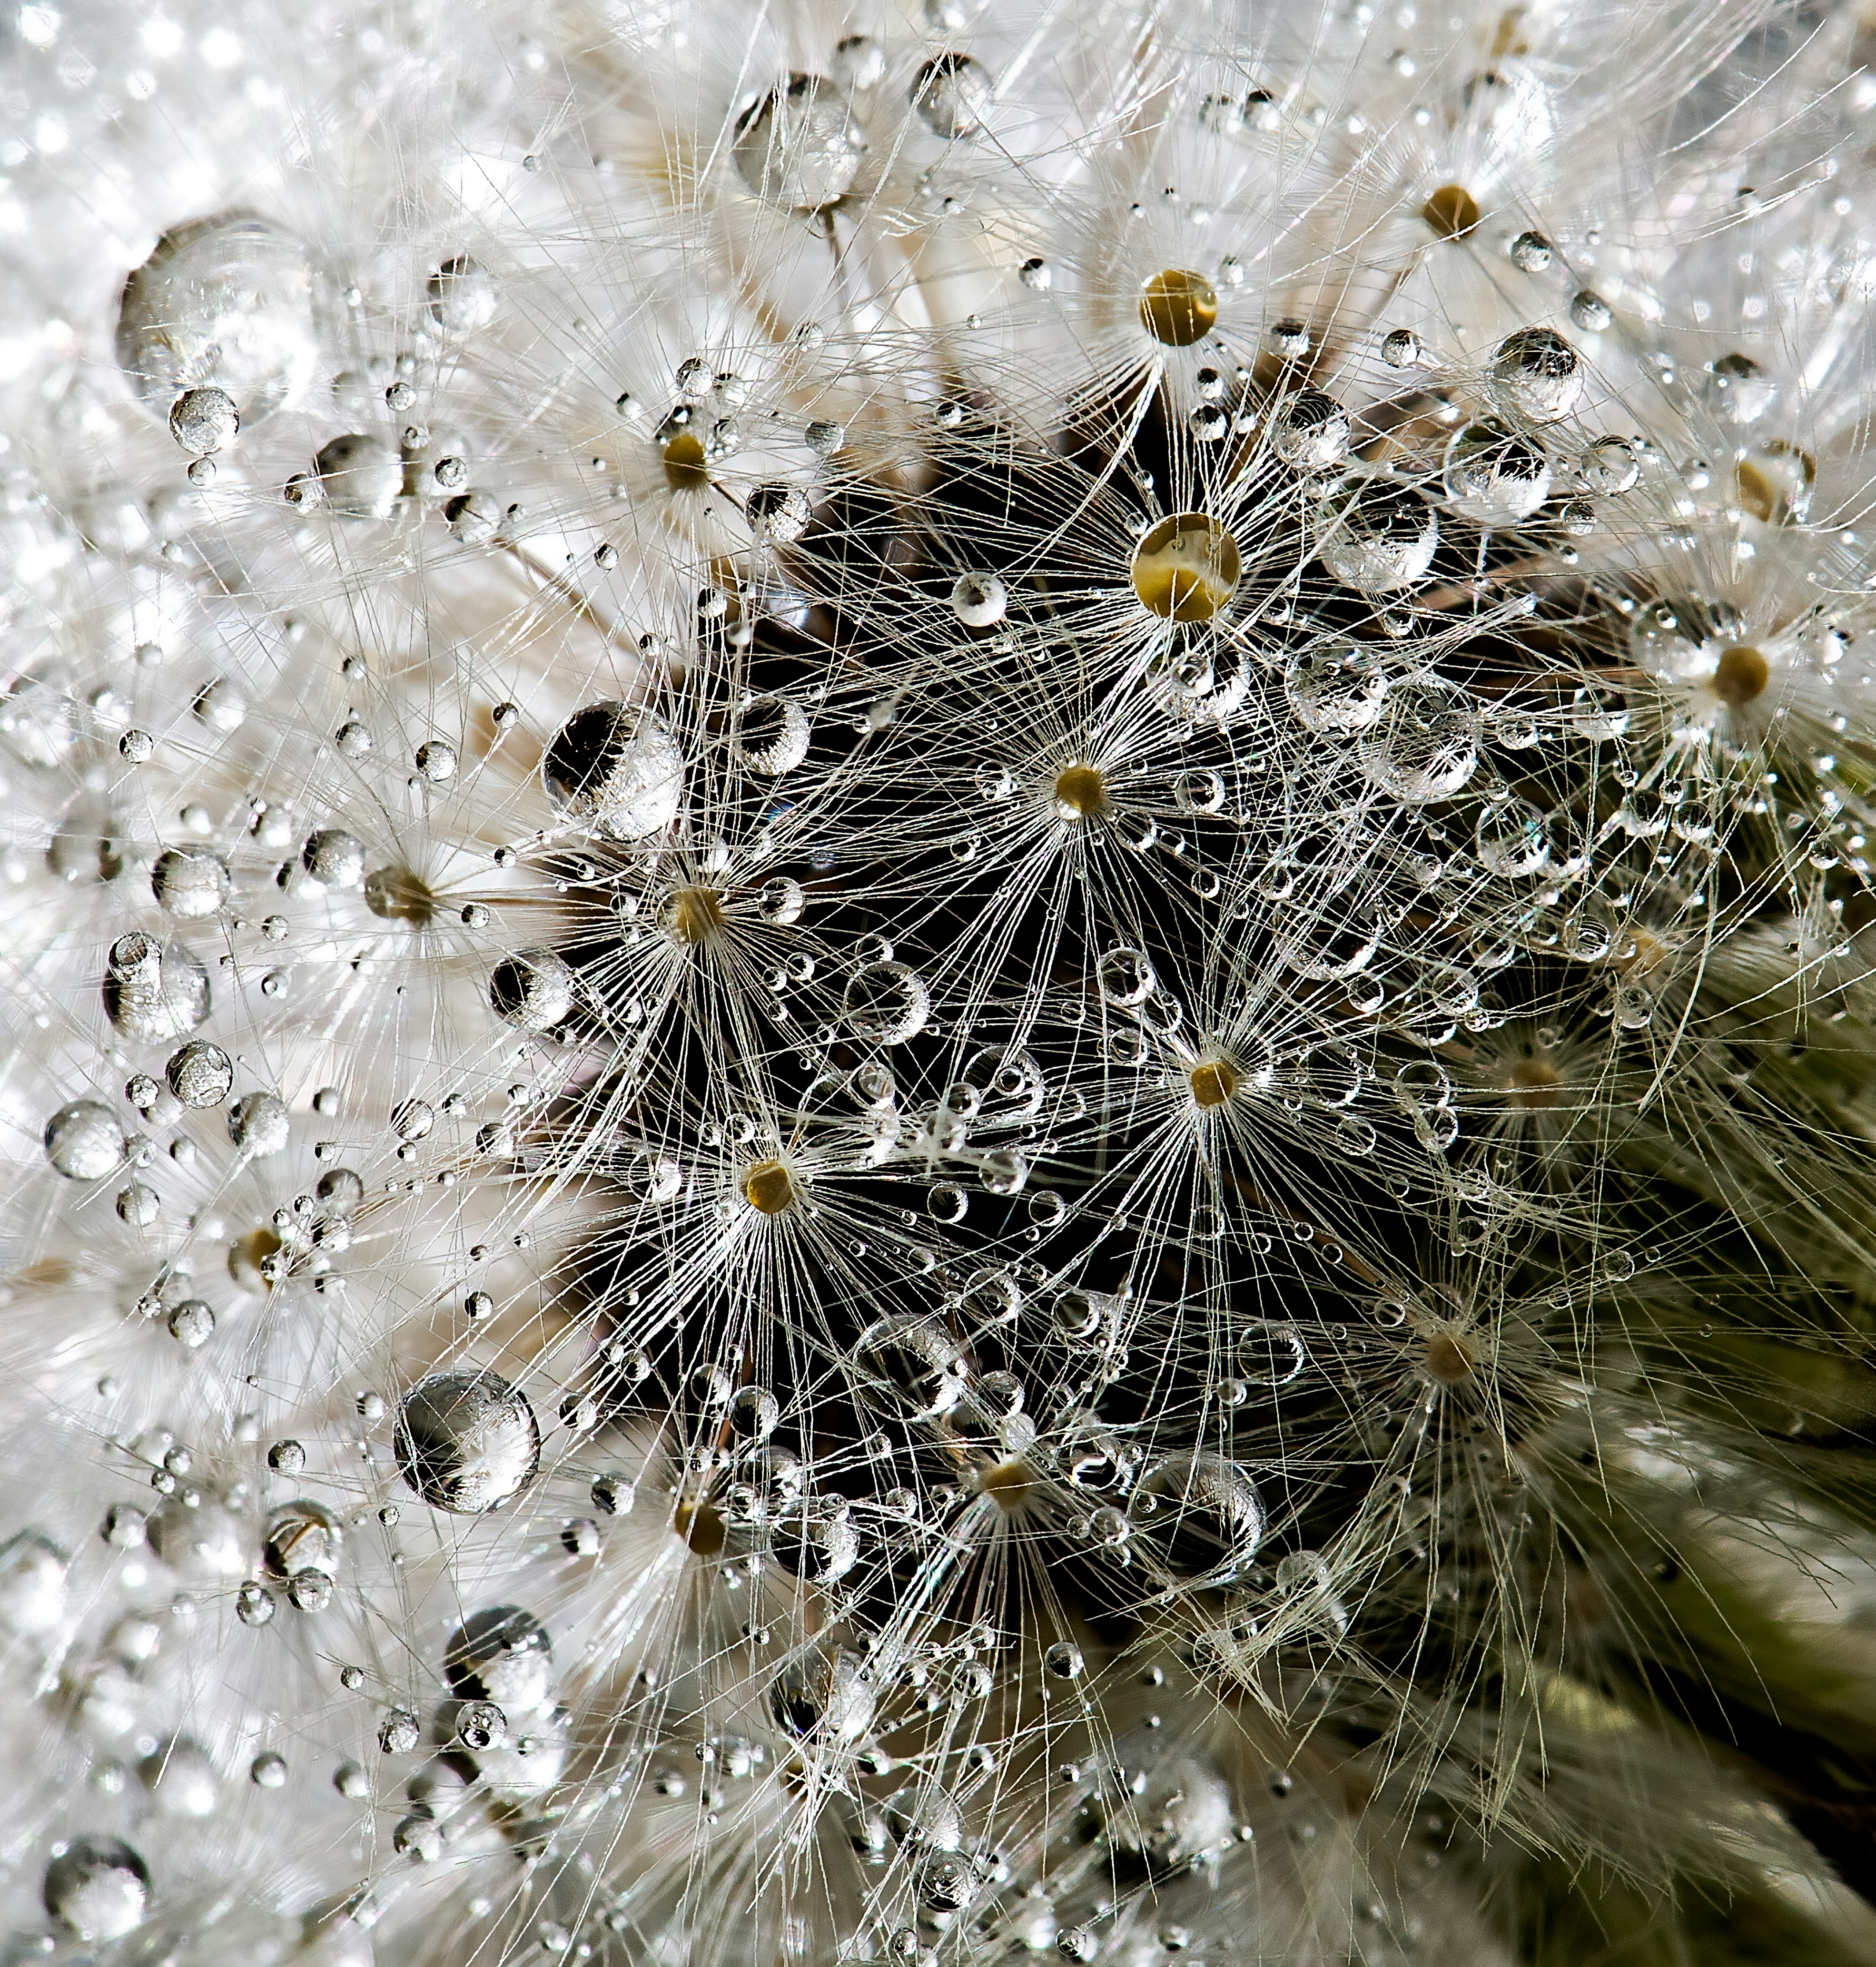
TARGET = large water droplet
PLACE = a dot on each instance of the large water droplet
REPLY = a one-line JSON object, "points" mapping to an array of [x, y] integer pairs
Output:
{"points": [[97, 1888], [154, 993], [615, 768], [224, 302], [799, 147], [1495, 475], [1337, 689], [466, 1442], [886, 1003], [1380, 538]]}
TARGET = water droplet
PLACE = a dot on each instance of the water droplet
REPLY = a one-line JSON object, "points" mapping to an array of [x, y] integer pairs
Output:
{"points": [[1310, 432], [202, 420], [466, 1442], [1341, 689], [617, 769], [1495, 475], [1270, 1353], [778, 511], [886, 1003], [460, 297], [978, 600], [334, 858], [154, 993], [360, 475], [224, 302], [1200, 1514], [1537, 374], [258, 1124], [1179, 307], [1380, 538], [1590, 311], [772, 735], [1425, 744], [97, 1888], [1185, 567], [1126, 978], [200, 1075], [910, 1366], [798, 147]]}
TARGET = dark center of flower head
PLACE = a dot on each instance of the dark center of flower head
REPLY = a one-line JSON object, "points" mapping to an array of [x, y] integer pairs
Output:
{"points": [[768, 1188], [1081, 792], [1741, 675], [1535, 1083], [1452, 212], [1214, 1082], [1178, 308]]}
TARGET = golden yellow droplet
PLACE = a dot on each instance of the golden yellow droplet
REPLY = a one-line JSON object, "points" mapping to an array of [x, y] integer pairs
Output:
{"points": [[768, 1187], [1449, 1360], [1534, 1084], [1186, 568], [1178, 308], [1742, 676], [1452, 212], [691, 914], [1081, 792], [685, 470], [1214, 1082]]}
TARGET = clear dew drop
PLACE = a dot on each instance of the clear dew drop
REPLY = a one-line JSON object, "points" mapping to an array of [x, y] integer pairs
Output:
{"points": [[1310, 432], [825, 1695], [1339, 690], [1126, 978], [778, 511], [360, 475], [200, 1074], [617, 769], [32, 1584], [886, 1003], [1378, 538], [1537, 374], [953, 93], [799, 147], [978, 600], [772, 735], [1495, 475], [334, 858], [460, 296], [224, 302], [204, 420], [910, 1366], [1270, 1353], [1201, 1513], [97, 1889], [532, 989], [1738, 389], [435, 760], [466, 1442], [1425, 746], [153, 993], [1591, 312], [1609, 466]]}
